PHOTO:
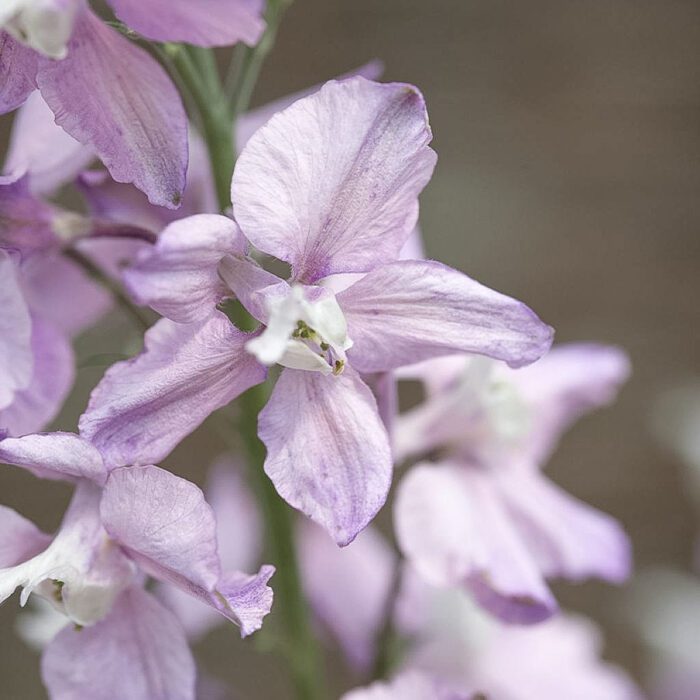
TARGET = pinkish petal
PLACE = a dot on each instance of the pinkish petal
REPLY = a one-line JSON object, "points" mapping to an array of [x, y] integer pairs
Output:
{"points": [[331, 184], [327, 450], [247, 124], [18, 65], [568, 538], [407, 311], [568, 382], [348, 588], [164, 523], [179, 276], [20, 539], [110, 94], [54, 456], [138, 652], [54, 371], [452, 527], [41, 148], [26, 222], [409, 685], [16, 359], [204, 23], [143, 407]]}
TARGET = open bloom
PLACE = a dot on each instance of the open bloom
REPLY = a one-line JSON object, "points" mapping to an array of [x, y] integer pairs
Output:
{"points": [[120, 526], [329, 185], [107, 92], [483, 516]]}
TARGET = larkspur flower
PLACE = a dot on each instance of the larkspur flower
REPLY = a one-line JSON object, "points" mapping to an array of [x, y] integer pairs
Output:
{"points": [[330, 185], [109, 93], [483, 516], [121, 525]]}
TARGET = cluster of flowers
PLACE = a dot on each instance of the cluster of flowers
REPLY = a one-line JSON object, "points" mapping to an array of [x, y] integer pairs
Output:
{"points": [[328, 184]]}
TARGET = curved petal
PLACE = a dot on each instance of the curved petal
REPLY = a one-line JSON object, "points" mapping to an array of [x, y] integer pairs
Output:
{"points": [[348, 588], [327, 451], [409, 685], [54, 456], [204, 23], [331, 184], [18, 66], [138, 652], [40, 147], [143, 407], [54, 371], [408, 311], [179, 276], [26, 223], [112, 95], [453, 529], [568, 538], [565, 384], [20, 539], [165, 524], [16, 360]]}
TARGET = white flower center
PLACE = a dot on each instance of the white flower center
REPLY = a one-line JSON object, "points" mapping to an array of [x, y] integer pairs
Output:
{"points": [[304, 334], [44, 25]]}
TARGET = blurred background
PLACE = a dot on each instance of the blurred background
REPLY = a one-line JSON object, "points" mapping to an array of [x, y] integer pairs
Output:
{"points": [[568, 136]]}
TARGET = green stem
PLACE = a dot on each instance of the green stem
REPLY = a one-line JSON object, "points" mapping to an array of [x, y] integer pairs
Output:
{"points": [[93, 271], [202, 80], [255, 57], [216, 119]]}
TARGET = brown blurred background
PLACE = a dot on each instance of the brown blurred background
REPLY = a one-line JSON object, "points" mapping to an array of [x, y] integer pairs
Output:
{"points": [[569, 144]]}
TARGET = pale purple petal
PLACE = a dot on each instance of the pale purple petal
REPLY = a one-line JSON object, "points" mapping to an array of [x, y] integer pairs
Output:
{"points": [[247, 124], [54, 456], [52, 379], [143, 407], [164, 523], [179, 276], [58, 290], [20, 539], [568, 538], [413, 248], [44, 150], [327, 450], [16, 361], [202, 23], [244, 599], [138, 652], [239, 532], [568, 382], [348, 588], [112, 95], [452, 527], [407, 311], [26, 222], [18, 65], [331, 184]]}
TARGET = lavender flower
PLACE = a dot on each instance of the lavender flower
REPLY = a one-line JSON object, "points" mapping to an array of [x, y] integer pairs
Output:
{"points": [[483, 517], [330, 185], [120, 523]]}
